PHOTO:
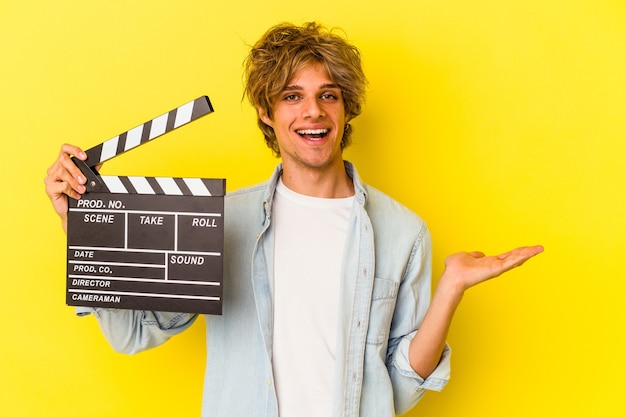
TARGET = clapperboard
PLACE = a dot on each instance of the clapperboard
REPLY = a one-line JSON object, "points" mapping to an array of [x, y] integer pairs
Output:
{"points": [[149, 243]]}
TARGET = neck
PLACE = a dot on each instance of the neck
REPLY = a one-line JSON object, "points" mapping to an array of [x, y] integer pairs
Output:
{"points": [[329, 182]]}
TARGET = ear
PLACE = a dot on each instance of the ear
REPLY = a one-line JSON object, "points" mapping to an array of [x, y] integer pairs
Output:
{"points": [[265, 117]]}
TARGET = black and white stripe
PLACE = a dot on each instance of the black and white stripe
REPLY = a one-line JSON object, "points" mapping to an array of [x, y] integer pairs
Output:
{"points": [[164, 185], [149, 130]]}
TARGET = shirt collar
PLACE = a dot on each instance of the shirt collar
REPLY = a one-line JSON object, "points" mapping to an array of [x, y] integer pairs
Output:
{"points": [[360, 193]]}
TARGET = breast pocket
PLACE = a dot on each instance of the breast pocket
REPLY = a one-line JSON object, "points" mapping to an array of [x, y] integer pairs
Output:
{"points": [[384, 296]]}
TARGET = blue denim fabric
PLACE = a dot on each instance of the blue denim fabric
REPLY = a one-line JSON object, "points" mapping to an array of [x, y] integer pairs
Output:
{"points": [[384, 296]]}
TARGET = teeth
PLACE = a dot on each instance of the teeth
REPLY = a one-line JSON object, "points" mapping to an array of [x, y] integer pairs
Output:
{"points": [[312, 131]]}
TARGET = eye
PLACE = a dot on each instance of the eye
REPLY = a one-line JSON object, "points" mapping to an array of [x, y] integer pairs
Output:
{"points": [[291, 97], [328, 96]]}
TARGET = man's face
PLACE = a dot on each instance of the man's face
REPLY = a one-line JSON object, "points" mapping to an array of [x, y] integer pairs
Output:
{"points": [[309, 119]]}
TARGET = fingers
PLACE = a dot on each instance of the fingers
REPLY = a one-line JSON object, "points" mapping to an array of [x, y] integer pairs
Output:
{"points": [[73, 150], [64, 177], [525, 252], [517, 257], [65, 154], [57, 188]]}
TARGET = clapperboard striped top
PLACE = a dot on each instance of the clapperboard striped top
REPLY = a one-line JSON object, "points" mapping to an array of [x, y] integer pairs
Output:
{"points": [[164, 185], [149, 130]]}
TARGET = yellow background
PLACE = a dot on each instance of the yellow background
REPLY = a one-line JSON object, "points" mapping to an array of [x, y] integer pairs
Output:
{"points": [[502, 123]]}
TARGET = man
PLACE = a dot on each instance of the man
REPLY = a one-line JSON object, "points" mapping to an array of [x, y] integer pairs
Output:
{"points": [[326, 298]]}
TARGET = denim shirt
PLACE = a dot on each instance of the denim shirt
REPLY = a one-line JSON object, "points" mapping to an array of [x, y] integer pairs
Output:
{"points": [[384, 296]]}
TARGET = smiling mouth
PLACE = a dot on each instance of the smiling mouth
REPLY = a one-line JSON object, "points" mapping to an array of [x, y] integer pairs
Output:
{"points": [[312, 134]]}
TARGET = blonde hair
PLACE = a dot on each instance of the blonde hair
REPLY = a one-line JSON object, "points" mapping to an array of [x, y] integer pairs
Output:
{"points": [[286, 48]]}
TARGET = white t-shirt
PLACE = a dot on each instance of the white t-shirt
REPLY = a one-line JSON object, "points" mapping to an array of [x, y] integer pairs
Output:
{"points": [[310, 234]]}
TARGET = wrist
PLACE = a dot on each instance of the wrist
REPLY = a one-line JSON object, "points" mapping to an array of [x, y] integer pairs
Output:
{"points": [[449, 290]]}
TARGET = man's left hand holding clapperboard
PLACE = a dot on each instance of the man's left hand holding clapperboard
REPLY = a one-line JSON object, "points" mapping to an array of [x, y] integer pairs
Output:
{"points": [[147, 243]]}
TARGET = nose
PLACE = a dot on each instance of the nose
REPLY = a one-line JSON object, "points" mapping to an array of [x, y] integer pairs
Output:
{"points": [[312, 109]]}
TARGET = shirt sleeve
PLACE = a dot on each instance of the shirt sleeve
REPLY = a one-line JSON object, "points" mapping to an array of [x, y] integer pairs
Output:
{"points": [[409, 387], [133, 331], [412, 304]]}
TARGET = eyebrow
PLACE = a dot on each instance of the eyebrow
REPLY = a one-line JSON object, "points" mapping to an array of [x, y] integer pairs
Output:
{"points": [[296, 87]]}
